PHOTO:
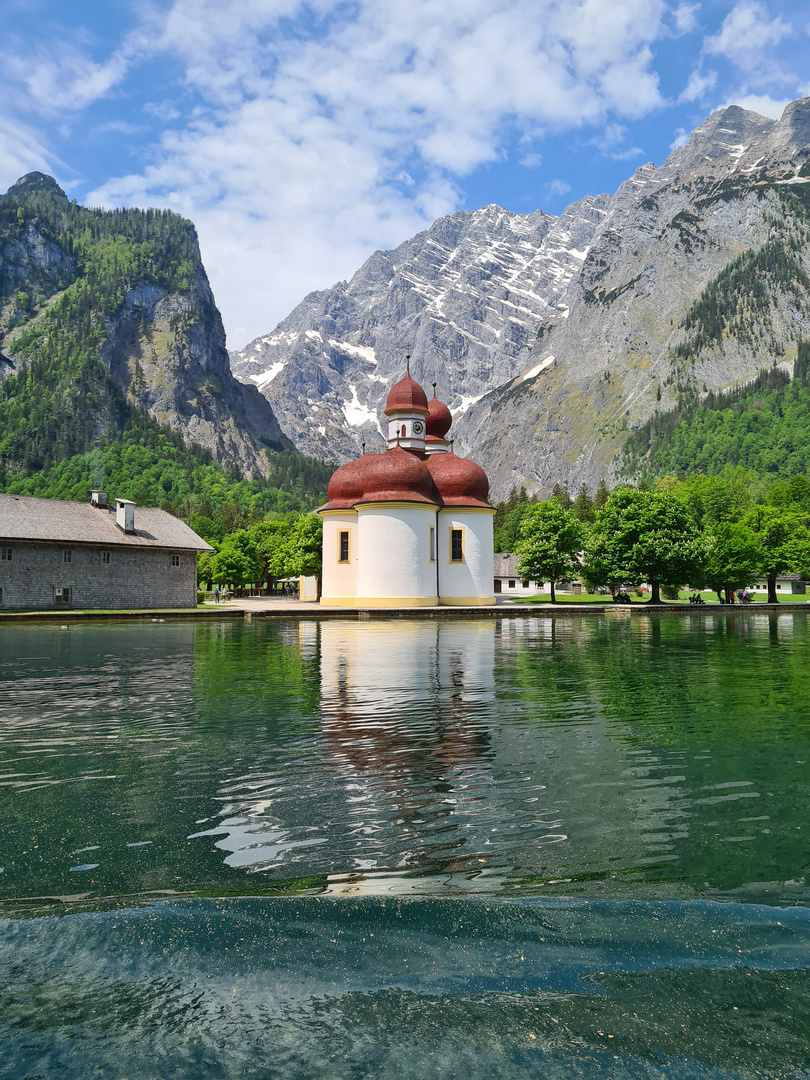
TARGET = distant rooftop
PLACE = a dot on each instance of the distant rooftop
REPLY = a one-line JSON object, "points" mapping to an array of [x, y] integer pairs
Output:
{"points": [[23, 517]]}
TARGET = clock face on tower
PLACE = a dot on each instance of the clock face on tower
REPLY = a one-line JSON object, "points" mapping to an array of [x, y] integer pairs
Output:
{"points": [[417, 427]]}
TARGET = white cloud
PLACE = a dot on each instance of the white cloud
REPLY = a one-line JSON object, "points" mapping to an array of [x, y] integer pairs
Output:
{"points": [[531, 160], [21, 151], [558, 187], [745, 37], [760, 103], [53, 80], [322, 130], [699, 85], [681, 139], [611, 143], [686, 18]]}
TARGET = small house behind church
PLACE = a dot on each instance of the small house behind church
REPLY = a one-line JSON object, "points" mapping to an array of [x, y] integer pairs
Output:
{"points": [[58, 555]]}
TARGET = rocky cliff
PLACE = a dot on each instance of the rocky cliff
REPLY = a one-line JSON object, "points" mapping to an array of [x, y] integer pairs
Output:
{"points": [[552, 338], [90, 295], [465, 299]]}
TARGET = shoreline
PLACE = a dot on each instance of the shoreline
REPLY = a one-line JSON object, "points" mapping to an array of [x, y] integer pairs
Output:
{"points": [[246, 612]]}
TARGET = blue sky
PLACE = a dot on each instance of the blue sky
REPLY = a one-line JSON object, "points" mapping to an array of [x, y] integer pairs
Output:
{"points": [[301, 136]]}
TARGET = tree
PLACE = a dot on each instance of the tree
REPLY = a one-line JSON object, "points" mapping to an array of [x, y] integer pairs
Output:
{"points": [[507, 536], [205, 568], [583, 505], [733, 556], [551, 539], [270, 539], [643, 536], [601, 497], [785, 541], [561, 494], [243, 542], [302, 553], [231, 566]]}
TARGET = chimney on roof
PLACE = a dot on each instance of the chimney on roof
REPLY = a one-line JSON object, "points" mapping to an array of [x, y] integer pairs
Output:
{"points": [[125, 515], [98, 498]]}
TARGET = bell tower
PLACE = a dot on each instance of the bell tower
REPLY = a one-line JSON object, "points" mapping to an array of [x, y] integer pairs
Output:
{"points": [[407, 412]]}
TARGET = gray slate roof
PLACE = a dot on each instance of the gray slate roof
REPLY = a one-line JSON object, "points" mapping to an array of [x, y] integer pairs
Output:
{"points": [[506, 565], [25, 518]]}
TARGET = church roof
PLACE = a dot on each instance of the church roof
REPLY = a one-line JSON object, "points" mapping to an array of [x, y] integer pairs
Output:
{"points": [[439, 419], [409, 475], [459, 482], [406, 396]]}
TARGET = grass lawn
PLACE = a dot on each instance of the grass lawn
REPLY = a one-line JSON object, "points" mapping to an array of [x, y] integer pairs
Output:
{"points": [[566, 598], [599, 598]]}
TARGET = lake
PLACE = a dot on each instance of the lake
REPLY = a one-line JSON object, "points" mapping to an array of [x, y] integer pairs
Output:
{"points": [[535, 846]]}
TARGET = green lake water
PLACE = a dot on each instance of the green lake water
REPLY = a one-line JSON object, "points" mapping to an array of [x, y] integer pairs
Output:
{"points": [[522, 847]]}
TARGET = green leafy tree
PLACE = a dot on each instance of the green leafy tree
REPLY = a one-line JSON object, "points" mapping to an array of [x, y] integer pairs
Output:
{"points": [[302, 554], [784, 537], [271, 539], [733, 557], [643, 536], [551, 538], [243, 540], [205, 568], [231, 566]]}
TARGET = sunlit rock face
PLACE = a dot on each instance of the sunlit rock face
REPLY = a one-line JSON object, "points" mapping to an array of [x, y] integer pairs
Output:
{"points": [[552, 338], [465, 298]]}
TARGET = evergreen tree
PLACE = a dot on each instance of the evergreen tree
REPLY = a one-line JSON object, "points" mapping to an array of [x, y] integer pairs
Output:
{"points": [[583, 505]]}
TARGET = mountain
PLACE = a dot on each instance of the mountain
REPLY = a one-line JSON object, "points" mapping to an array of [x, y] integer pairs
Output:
{"points": [[107, 321], [465, 298], [554, 338]]}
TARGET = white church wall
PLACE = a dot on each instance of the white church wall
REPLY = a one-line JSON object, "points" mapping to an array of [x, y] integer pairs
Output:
{"points": [[469, 581], [393, 552], [339, 585]]}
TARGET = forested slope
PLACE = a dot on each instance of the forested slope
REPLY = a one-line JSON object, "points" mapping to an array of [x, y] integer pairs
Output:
{"points": [[763, 426], [114, 368]]}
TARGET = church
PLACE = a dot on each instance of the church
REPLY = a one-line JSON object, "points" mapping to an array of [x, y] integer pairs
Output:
{"points": [[411, 526]]}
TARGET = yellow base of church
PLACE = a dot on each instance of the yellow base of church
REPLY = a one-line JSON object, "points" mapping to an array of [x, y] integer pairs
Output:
{"points": [[380, 601], [467, 601], [406, 601]]}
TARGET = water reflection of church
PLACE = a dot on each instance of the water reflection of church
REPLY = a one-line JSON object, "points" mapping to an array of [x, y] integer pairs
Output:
{"points": [[406, 716]]}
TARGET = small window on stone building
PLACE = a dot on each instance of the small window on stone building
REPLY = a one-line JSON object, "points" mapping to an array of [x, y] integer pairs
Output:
{"points": [[1, 597], [456, 545], [525, 584], [61, 596], [104, 558], [175, 560], [343, 546], [432, 544], [67, 555], [6, 554], [511, 583]]}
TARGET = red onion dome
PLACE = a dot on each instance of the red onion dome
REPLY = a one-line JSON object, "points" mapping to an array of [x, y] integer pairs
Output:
{"points": [[397, 476], [460, 482], [439, 420], [407, 396], [346, 484]]}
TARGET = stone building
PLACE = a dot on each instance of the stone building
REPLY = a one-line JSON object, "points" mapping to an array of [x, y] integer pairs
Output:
{"points": [[411, 526], [62, 555]]}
